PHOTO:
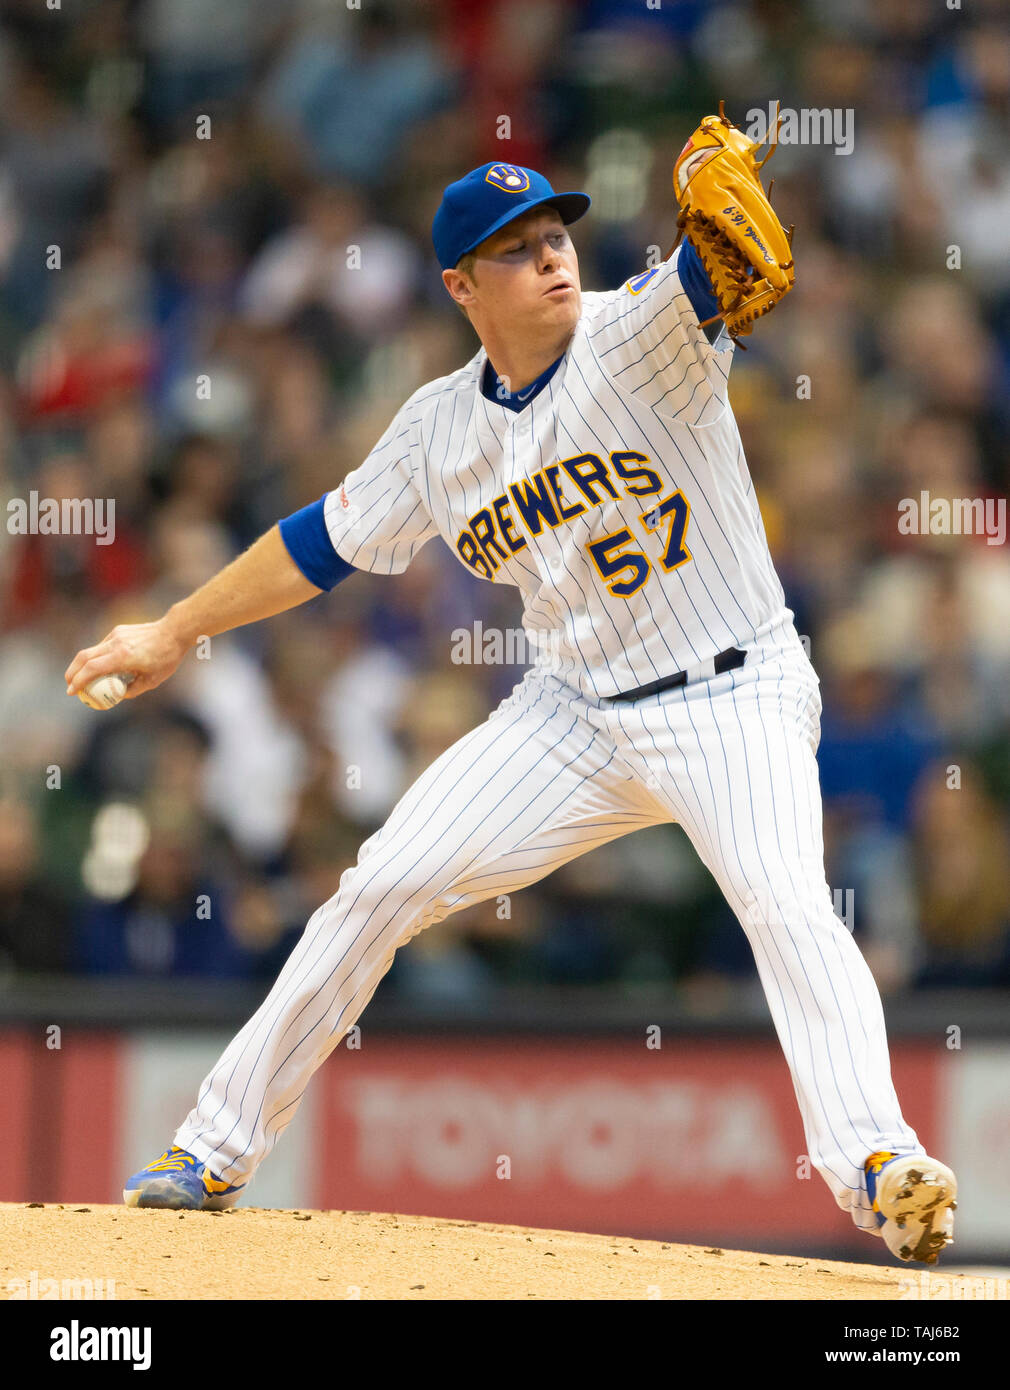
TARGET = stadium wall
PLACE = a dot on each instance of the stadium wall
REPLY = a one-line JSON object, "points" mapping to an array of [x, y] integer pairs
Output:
{"points": [[698, 1143]]}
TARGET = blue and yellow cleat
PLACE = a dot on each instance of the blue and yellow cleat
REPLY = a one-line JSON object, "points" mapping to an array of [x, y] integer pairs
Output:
{"points": [[179, 1181], [914, 1198]]}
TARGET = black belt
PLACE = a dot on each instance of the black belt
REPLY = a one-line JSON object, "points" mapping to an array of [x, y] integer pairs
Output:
{"points": [[728, 660]]}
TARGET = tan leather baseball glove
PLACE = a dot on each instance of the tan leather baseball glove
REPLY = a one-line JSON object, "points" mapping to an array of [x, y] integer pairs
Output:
{"points": [[729, 221]]}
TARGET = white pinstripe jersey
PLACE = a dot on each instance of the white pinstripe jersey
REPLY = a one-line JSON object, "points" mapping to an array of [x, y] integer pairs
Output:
{"points": [[618, 500]]}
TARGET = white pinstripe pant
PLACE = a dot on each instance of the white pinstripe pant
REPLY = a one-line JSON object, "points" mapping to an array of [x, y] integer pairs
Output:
{"points": [[547, 777]]}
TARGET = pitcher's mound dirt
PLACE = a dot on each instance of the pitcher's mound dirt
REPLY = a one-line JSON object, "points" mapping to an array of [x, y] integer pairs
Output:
{"points": [[252, 1253]]}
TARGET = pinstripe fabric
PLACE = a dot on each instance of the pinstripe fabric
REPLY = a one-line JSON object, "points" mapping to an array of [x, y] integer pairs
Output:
{"points": [[532, 787], [735, 762], [559, 768], [638, 377], [546, 778]]}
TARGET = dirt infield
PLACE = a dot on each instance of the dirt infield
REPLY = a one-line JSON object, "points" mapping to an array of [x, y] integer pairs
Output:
{"points": [[253, 1253]]}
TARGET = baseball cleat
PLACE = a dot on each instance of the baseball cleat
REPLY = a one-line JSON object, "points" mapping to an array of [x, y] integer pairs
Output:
{"points": [[914, 1198], [179, 1180]]}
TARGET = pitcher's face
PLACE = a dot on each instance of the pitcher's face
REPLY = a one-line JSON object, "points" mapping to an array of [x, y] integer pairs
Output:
{"points": [[525, 285]]}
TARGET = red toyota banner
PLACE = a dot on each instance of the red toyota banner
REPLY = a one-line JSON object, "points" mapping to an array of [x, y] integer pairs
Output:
{"points": [[61, 1105], [698, 1141]]}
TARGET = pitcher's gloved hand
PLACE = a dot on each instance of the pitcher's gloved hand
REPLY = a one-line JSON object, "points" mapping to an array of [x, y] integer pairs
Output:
{"points": [[729, 221]]}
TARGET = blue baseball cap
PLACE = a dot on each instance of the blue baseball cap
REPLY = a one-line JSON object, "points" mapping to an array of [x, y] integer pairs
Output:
{"points": [[486, 199]]}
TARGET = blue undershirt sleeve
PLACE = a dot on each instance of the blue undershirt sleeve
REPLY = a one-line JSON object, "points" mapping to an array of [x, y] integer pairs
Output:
{"points": [[308, 543], [697, 285]]}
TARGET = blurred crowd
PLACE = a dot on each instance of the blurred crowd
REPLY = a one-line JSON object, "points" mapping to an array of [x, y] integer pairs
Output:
{"points": [[240, 195]]}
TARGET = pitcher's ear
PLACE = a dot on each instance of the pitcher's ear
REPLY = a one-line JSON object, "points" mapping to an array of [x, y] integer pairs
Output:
{"points": [[459, 286]]}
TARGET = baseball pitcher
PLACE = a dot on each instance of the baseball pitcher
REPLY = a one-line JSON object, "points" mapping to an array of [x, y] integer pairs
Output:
{"points": [[588, 455]]}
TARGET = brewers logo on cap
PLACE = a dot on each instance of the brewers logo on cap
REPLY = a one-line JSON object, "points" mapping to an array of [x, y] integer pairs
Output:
{"points": [[508, 177], [471, 210]]}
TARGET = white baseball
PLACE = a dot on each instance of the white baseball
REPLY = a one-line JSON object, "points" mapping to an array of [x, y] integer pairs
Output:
{"points": [[106, 691]]}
